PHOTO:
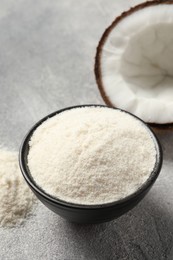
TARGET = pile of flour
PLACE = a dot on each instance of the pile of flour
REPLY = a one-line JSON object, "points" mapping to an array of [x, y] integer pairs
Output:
{"points": [[91, 155], [16, 199]]}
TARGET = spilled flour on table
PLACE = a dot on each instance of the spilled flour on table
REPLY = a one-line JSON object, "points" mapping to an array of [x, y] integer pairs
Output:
{"points": [[16, 199]]}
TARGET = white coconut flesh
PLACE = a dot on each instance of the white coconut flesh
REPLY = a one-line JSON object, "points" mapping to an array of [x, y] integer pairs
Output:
{"points": [[137, 64]]}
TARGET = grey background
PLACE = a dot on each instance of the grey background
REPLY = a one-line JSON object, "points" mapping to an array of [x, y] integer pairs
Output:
{"points": [[47, 51]]}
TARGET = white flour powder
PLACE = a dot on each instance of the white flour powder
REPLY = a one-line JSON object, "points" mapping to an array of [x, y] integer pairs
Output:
{"points": [[91, 155], [16, 199]]}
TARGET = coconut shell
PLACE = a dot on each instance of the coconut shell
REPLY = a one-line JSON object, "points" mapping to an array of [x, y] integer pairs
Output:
{"points": [[98, 75]]}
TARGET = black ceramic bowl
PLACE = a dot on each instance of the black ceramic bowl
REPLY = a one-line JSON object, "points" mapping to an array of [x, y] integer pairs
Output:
{"points": [[88, 213]]}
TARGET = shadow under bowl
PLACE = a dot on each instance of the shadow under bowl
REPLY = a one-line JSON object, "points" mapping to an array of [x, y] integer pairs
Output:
{"points": [[88, 214]]}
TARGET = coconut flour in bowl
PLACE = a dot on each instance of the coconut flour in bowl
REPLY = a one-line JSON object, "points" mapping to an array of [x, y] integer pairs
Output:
{"points": [[91, 155]]}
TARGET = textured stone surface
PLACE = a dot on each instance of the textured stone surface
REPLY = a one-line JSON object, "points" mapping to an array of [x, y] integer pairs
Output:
{"points": [[47, 51]]}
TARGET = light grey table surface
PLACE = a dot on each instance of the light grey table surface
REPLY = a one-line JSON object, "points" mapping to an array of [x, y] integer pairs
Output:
{"points": [[47, 50]]}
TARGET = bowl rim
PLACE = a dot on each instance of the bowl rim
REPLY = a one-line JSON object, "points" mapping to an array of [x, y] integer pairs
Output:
{"points": [[24, 148]]}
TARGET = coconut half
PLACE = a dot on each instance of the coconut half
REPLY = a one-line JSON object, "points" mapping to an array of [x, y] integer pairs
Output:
{"points": [[134, 62]]}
